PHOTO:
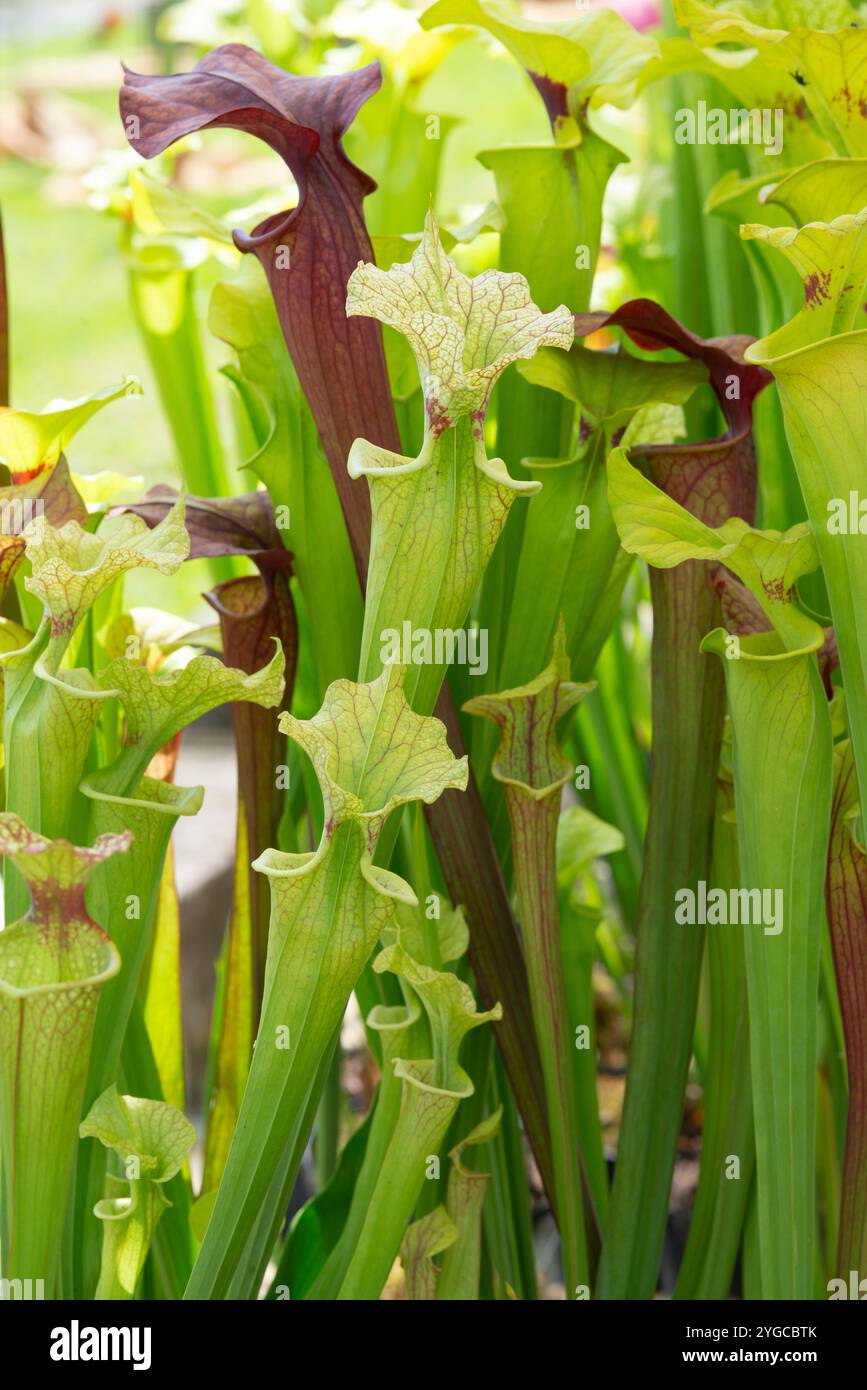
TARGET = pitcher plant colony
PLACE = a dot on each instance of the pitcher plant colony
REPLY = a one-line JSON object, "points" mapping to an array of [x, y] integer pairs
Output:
{"points": [[535, 514]]}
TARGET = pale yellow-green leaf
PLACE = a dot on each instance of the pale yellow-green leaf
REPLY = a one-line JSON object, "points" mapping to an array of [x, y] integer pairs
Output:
{"points": [[483, 1133], [451, 1011], [424, 1240], [581, 838], [652, 525], [463, 332], [820, 42], [159, 704], [611, 386], [371, 752], [71, 567], [152, 1132], [831, 259], [31, 441], [598, 56]]}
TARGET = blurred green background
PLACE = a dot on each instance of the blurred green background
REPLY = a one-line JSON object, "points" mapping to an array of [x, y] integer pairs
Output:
{"points": [[62, 146]]}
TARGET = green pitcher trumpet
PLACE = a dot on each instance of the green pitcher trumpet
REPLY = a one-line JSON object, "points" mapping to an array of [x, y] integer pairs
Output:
{"points": [[782, 776], [467, 1187], [437, 518], [433, 1088], [152, 1140], [51, 709], [53, 963], [371, 754], [819, 362], [403, 1033], [575, 67], [534, 770], [424, 1240]]}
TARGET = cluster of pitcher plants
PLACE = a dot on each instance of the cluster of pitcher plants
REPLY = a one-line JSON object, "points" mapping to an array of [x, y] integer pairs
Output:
{"points": [[473, 793]]}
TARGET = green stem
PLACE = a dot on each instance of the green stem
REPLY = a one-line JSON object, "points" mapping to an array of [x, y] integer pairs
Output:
{"points": [[462, 1260], [128, 1224], [328, 1121], [534, 839], [782, 768], [425, 1115], [164, 306], [688, 706], [710, 481], [395, 1028], [720, 1206], [846, 897]]}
